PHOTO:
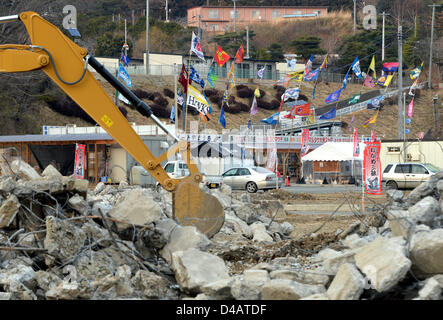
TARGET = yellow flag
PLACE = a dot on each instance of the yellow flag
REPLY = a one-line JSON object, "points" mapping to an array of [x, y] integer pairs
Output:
{"points": [[372, 67], [388, 80], [297, 76], [372, 120], [257, 93]]}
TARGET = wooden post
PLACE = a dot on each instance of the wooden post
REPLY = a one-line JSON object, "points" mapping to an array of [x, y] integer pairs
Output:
{"points": [[95, 163]]}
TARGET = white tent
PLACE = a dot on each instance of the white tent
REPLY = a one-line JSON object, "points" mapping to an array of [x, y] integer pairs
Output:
{"points": [[340, 152], [335, 151]]}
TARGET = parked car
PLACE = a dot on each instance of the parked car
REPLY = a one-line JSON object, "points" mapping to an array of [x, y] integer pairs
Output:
{"points": [[250, 179], [212, 182], [407, 175]]}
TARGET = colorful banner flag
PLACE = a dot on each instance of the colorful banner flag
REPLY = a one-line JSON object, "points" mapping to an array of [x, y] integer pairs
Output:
{"points": [[333, 97], [312, 75], [415, 73], [240, 54], [222, 119], [291, 94], [411, 108], [221, 57], [413, 87], [421, 135], [196, 47], [272, 161], [124, 75], [385, 81], [308, 67], [257, 93], [324, 65], [296, 76], [261, 72], [291, 63], [122, 98], [272, 120], [356, 149], [302, 111], [180, 99], [356, 68], [390, 66], [212, 77], [369, 82], [371, 120], [372, 67], [374, 103], [231, 77], [311, 117], [355, 99], [79, 165], [345, 81], [125, 58], [329, 115], [196, 77], [196, 100], [183, 79], [304, 143], [372, 168], [254, 107]]}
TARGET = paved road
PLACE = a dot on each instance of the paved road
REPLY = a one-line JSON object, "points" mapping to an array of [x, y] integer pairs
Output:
{"points": [[322, 188]]}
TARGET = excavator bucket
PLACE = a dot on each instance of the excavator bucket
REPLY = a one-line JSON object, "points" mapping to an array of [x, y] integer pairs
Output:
{"points": [[194, 207]]}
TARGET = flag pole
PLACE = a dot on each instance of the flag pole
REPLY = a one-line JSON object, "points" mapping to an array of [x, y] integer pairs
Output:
{"points": [[187, 93]]}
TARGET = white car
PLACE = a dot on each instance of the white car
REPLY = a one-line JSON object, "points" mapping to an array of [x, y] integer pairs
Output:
{"points": [[251, 179], [407, 175]]}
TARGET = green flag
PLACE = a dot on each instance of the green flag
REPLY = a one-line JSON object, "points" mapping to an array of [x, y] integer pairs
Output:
{"points": [[212, 77], [355, 99]]}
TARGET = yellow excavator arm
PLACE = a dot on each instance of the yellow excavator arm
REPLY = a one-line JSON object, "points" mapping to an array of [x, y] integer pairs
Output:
{"points": [[66, 64]]}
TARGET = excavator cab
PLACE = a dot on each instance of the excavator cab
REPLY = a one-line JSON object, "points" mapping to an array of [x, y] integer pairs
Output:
{"points": [[66, 64]]}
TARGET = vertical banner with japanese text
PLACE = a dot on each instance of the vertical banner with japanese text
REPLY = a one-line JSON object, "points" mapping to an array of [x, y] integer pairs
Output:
{"points": [[79, 165], [372, 168], [356, 152], [304, 143]]}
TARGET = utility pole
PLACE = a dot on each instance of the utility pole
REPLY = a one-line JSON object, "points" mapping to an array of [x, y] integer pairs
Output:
{"points": [[405, 154], [167, 11], [383, 37], [147, 36], [235, 15], [199, 28], [133, 17], [432, 44], [401, 129], [355, 16], [247, 42]]}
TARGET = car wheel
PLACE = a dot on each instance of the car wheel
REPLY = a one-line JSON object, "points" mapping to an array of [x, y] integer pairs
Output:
{"points": [[251, 187], [391, 185]]}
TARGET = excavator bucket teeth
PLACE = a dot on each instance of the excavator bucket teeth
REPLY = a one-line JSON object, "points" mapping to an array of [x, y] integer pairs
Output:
{"points": [[194, 207]]}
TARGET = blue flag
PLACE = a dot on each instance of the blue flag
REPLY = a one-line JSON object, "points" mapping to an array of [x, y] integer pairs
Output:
{"points": [[333, 97], [313, 91], [271, 120], [329, 115], [123, 74], [345, 81], [209, 104], [222, 118], [356, 68], [249, 124], [194, 76], [312, 75], [172, 116], [125, 59]]}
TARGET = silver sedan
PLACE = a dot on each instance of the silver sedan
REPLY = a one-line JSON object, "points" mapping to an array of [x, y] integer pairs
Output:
{"points": [[250, 179]]}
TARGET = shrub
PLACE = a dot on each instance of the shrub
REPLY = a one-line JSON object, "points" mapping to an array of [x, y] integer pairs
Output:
{"points": [[241, 87], [211, 92], [264, 105], [233, 108], [231, 100], [68, 107], [161, 101], [275, 104], [160, 111], [245, 92], [243, 107], [169, 93], [142, 94]]}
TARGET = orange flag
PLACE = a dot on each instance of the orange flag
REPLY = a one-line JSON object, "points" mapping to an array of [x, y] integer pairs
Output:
{"points": [[240, 54], [221, 57]]}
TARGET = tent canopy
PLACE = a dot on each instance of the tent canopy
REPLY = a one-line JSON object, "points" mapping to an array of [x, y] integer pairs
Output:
{"points": [[335, 151]]}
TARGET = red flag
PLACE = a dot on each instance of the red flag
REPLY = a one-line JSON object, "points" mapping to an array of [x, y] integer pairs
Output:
{"points": [[369, 82], [221, 57], [303, 110], [372, 168], [240, 54], [183, 79]]}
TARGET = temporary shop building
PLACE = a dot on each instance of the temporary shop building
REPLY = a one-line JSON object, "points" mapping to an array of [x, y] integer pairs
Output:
{"points": [[333, 161]]}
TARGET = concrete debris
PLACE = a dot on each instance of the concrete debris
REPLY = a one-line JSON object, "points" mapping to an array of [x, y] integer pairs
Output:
{"points": [[64, 239]]}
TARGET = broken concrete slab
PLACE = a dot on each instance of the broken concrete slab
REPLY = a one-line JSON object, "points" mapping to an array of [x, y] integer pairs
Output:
{"points": [[259, 233], [426, 251], [394, 195], [7, 185], [183, 238], [424, 211], [302, 276], [152, 286], [8, 211], [78, 203], [284, 289], [432, 290], [248, 286], [348, 284], [51, 173], [219, 290], [238, 225], [137, 208], [194, 269], [384, 262], [400, 223], [63, 239], [24, 170], [99, 188], [318, 296]]}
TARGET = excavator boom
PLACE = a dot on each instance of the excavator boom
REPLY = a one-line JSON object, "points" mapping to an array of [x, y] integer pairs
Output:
{"points": [[66, 64]]}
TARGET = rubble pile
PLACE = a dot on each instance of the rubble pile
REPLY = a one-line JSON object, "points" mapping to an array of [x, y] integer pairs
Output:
{"points": [[62, 239]]}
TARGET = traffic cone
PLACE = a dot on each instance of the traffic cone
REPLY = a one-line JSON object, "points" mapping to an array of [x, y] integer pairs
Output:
{"points": [[287, 181]]}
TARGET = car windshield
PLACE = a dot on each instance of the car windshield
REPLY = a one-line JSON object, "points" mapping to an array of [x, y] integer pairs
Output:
{"points": [[432, 168], [261, 170], [183, 165]]}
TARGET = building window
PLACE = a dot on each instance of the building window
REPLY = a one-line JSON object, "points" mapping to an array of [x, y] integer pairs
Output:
{"points": [[255, 14], [394, 149], [276, 14], [237, 14], [213, 14], [213, 27]]}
